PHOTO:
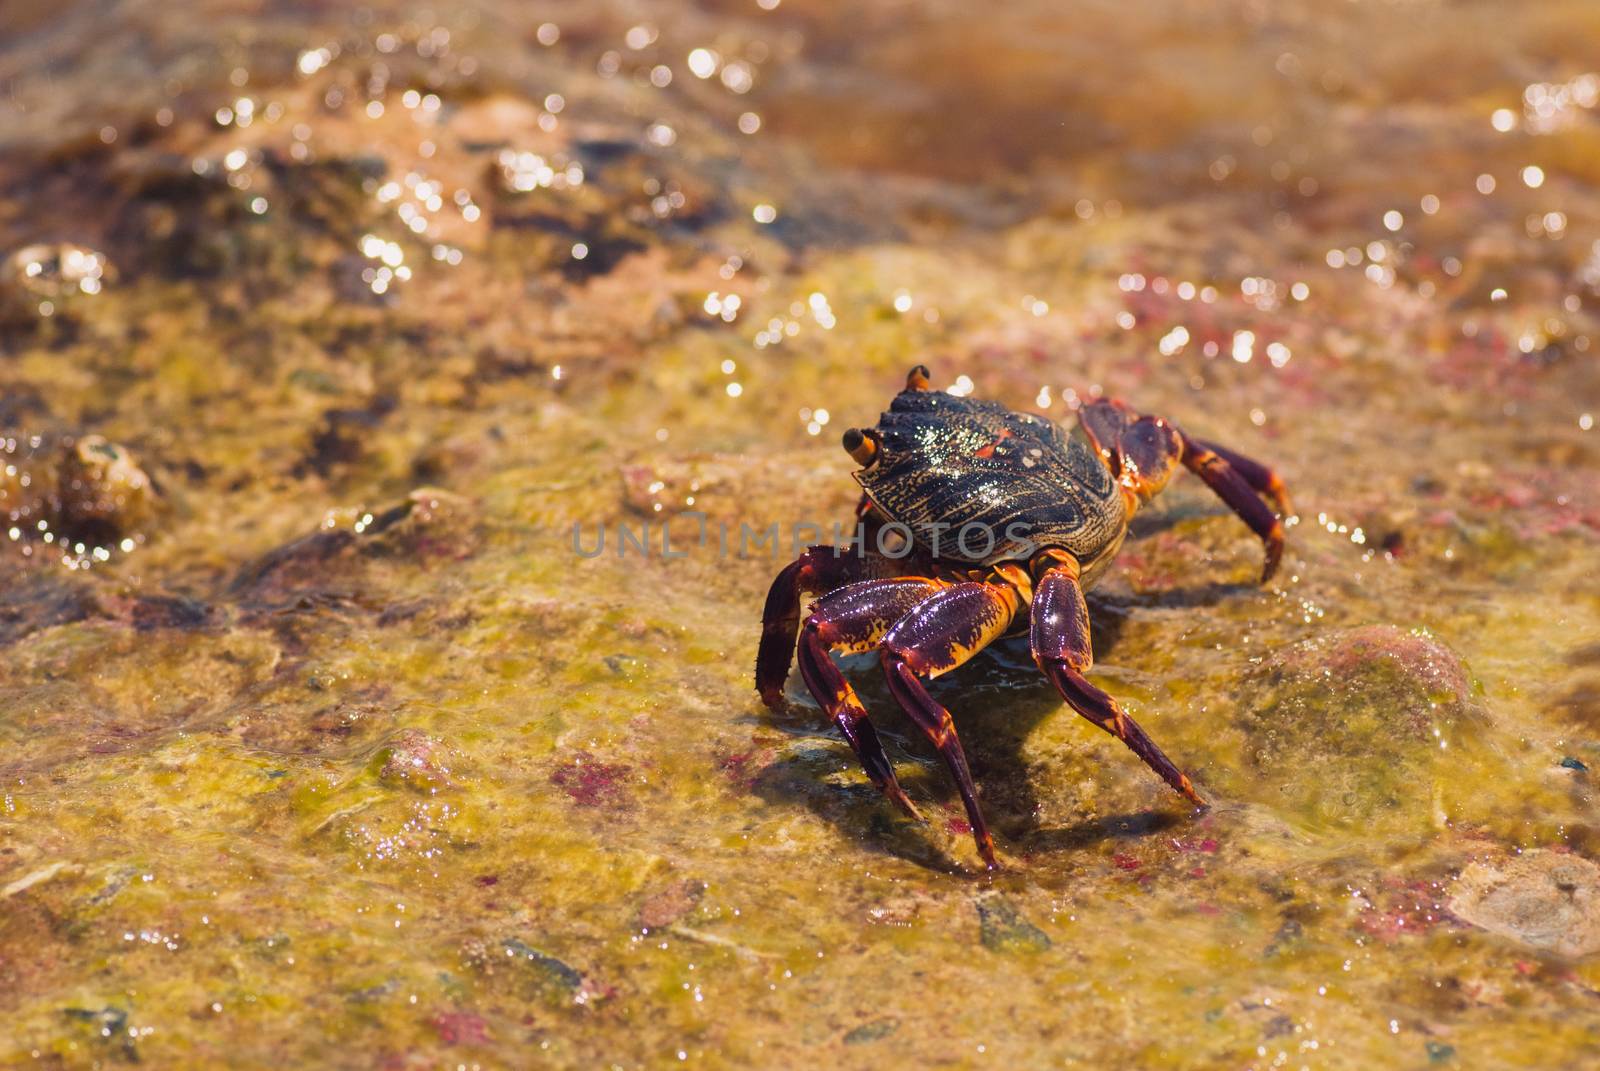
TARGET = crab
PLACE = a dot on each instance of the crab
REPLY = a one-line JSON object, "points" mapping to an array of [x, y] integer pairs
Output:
{"points": [[975, 521]]}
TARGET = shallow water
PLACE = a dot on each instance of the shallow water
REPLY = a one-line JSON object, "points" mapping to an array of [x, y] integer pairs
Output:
{"points": [[327, 747]]}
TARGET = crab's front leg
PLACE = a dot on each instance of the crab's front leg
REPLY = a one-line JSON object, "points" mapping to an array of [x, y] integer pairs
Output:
{"points": [[1143, 451], [817, 570], [940, 634], [1059, 638], [1261, 478], [853, 619], [1239, 485]]}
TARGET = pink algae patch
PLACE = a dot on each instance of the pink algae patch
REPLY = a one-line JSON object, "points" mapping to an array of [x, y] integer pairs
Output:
{"points": [[591, 783], [461, 1028]]}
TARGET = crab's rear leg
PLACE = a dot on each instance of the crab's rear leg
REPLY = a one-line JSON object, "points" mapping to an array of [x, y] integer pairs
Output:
{"points": [[817, 570], [940, 634], [1059, 638], [1234, 489], [854, 618]]}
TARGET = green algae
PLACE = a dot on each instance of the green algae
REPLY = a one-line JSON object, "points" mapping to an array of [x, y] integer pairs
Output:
{"points": [[1002, 928], [284, 785]]}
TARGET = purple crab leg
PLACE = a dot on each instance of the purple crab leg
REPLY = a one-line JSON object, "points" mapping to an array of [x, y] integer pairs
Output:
{"points": [[817, 570], [1261, 478], [854, 618], [1240, 496], [1059, 638], [940, 634]]}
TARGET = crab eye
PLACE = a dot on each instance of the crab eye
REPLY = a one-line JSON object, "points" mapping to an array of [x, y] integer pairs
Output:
{"points": [[861, 445]]}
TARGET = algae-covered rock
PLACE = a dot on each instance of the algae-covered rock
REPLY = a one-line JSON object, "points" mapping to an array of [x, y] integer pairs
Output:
{"points": [[667, 905], [1003, 928], [1345, 729], [84, 490], [258, 215], [533, 974], [415, 760], [1546, 900], [32, 603], [428, 525], [106, 1029], [38, 280], [875, 1030], [431, 524], [103, 491], [26, 482]]}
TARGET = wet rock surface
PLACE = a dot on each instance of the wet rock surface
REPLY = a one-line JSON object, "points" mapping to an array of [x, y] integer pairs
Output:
{"points": [[344, 750], [43, 280], [1547, 901], [1348, 726], [1002, 928], [82, 493]]}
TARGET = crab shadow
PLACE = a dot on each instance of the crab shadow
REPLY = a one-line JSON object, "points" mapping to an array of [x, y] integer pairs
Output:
{"points": [[997, 700]]}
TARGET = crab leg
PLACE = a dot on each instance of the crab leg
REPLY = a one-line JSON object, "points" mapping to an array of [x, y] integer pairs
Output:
{"points": [[1059, 638], [818, 569], [854, 618], [1236, 491], [936, 637], [1260, 477]]}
